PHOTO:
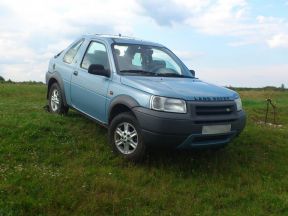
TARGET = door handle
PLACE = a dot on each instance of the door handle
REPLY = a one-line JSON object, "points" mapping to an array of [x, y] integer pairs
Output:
{"points": [[75, 73]]}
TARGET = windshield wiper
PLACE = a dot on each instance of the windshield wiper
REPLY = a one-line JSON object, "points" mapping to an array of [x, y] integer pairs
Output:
{"points": [[149, 73], [142, 72], [174, 75]]}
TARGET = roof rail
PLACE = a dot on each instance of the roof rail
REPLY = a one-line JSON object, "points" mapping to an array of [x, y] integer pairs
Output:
{"points": [[116, 36]]}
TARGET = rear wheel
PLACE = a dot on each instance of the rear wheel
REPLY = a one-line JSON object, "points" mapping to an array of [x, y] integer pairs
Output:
{"points": [[56, 104], [125, 137]]}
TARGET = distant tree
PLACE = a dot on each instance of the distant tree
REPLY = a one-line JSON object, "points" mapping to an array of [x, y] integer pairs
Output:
{"points": [[270, 88], [2, 79], [282, 86]]}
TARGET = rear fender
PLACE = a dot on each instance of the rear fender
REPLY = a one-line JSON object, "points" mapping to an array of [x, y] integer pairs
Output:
{"points": [[52, 78]]}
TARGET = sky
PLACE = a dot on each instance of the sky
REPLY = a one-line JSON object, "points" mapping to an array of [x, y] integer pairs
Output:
{"points": [[227, 42]]}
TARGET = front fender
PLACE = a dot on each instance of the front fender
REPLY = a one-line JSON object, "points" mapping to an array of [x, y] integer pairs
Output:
{"points": [[125, 100]]}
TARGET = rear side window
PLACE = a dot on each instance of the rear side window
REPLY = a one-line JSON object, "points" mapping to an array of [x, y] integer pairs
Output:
{"points": [[71, 53], [95, 54]]}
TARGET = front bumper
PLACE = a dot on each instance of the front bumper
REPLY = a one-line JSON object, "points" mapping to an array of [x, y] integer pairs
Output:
{"points": [[185, 130]]}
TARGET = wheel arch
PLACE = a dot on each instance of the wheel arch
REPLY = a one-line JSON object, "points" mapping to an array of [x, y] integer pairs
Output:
{"points": [[120, 104], [55, 78]]}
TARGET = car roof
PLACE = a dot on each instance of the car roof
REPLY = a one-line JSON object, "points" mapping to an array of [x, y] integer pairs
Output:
{"points": [[121, 39]]}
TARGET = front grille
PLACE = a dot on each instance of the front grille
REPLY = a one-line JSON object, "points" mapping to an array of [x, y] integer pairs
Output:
{"points": [[214, 110]]}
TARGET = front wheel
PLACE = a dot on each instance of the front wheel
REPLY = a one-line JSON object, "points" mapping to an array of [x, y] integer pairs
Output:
{"points": [[125, 137]]}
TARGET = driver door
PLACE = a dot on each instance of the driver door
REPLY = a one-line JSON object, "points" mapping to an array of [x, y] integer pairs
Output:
{"points": [[89, 91]]}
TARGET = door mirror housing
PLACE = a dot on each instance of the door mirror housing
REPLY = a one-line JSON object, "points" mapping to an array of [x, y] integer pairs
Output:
{"points": [[192, 72], [98, 69]]}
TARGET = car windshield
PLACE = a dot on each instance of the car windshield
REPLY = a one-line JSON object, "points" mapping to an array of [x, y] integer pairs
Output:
{"points": [[144, 60]]}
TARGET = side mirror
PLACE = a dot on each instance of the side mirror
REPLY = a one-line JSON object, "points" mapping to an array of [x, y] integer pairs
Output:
{"points": [[98, 69], [192, 72]]}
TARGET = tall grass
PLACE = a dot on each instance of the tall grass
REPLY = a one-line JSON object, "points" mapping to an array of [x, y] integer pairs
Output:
{"points": [[62, 165]]}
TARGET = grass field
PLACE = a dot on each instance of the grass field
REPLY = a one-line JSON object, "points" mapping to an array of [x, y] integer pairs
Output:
{"points": [[62, 165]]}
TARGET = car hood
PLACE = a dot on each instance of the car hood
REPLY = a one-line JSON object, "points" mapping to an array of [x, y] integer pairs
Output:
{"points": [[185, 88]]}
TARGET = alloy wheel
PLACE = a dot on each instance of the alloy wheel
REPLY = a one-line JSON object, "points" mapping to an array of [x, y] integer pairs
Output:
{"points": [[126, 138], [55, 100]]}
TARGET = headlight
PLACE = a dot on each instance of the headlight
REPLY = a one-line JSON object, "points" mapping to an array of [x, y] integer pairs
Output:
{"points": [[167, 104], [238, 104]]}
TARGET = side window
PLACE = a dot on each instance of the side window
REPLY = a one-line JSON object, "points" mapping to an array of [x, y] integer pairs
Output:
{"points": [[95, 54], [71, 53]]}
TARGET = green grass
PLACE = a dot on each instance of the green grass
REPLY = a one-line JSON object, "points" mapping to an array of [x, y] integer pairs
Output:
{"points": [[62, 165]]}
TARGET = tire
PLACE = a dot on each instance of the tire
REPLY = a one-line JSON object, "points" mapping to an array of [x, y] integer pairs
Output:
{"points": [[125, 137], [56, 104]]}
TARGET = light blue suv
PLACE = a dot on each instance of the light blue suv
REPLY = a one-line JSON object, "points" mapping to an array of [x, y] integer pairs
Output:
{"points": [[143, 94]]}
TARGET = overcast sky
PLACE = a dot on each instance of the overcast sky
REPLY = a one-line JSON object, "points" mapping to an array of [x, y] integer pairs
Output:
{"points": [[227, 42]]}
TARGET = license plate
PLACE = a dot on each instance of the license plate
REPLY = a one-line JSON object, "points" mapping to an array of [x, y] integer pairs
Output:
{"points": [[216, 129]]}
